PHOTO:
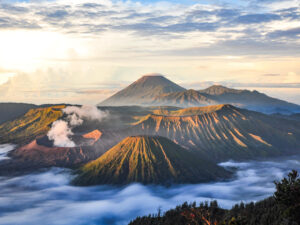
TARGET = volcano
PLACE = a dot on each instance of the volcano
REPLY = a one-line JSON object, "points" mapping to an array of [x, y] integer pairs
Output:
{"points": [[223, 132], [149, 160], [142, 91]]}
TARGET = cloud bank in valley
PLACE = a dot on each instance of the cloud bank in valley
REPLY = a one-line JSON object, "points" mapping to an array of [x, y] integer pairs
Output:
{"points": [[47, 198], [61, 130], [4, 149]]}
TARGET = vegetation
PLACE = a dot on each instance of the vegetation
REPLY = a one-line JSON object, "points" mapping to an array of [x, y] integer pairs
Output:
{"points": [[281, 209], [34, 123], [149, 160]]}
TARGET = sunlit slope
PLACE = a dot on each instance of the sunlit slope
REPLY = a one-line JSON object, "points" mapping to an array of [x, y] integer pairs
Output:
{"points": [[223, 132], [34, 123], [148, 160]]}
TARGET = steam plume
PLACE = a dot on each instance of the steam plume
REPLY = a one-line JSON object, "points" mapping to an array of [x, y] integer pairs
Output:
{"points": [[61, 130], [60, 133]]}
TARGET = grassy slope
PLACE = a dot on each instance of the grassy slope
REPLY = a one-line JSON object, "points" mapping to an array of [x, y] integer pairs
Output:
{"points": [[148, 160], [34, 123]]}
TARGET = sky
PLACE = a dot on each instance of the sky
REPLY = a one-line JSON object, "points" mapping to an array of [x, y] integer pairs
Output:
{"points": [[82, 51]]}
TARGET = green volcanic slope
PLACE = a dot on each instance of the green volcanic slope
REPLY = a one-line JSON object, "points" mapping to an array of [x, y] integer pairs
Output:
{"points": [[34, 123], [224, 132], [148, 160], [142, 91]]}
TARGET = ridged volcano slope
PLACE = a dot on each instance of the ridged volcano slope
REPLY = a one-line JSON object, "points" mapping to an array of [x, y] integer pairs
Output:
{"points": [[148, 160], [224, 132]]}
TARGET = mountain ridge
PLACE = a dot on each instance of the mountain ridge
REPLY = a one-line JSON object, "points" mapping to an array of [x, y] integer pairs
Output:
{"points": [[156, 90], [224, 132]]}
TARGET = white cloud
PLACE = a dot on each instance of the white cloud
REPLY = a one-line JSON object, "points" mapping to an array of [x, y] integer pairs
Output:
{"points": [[68, 47]]}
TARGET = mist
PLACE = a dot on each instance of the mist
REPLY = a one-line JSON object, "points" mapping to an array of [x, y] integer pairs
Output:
{"points": [[4, 150], [47, 198], [61, 130]]}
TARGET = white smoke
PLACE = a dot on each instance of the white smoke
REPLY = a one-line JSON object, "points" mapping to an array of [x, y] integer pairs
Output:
{"points": [[61, 130], [75, 120], [60, 133], [86, 111]]}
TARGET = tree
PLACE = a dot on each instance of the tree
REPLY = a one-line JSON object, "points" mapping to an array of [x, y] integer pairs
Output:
{"points": [[287, 196]]}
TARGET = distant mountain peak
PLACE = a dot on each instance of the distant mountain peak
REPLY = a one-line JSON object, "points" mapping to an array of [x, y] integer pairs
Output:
{"points": [[154, 79], [219, 90], [143, 91], [151, 75]]}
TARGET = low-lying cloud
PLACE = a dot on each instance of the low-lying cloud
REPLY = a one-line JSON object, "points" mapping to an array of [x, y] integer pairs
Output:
{"points": [[47, 198], [4, 149], [61, 130]]}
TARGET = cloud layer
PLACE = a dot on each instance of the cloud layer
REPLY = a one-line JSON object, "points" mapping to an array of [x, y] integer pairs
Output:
{"points": [[4, 149], [217, 25], [69, 49], [47, 198]]}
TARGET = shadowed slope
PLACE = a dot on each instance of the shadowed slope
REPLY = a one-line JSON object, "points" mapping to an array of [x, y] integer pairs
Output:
{"points": [[10, 111], [252, 100], [225, 132], [149, 160]]}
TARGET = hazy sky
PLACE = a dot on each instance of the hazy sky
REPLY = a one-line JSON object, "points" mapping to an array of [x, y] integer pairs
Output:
{"points": [[82, 51]]}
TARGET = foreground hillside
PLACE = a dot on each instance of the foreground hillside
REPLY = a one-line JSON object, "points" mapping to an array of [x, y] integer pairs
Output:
{"points": [[148, 160], [281, 209], [224, 132]]}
